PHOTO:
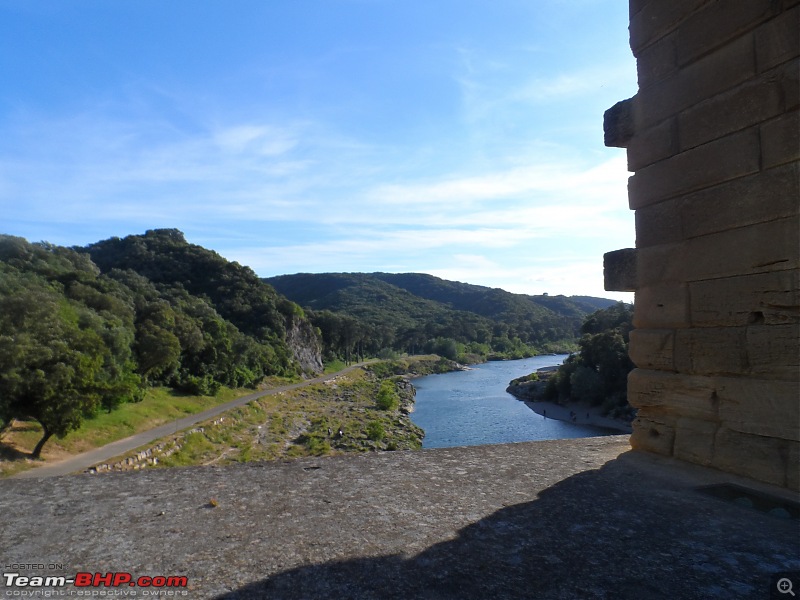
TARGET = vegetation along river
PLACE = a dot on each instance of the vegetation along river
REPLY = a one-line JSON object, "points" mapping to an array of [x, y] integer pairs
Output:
{"points": [[471, 408]]}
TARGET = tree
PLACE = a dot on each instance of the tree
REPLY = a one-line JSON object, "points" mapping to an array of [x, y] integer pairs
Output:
{"points": [[598, 374], [75, 339], [50, 368]]}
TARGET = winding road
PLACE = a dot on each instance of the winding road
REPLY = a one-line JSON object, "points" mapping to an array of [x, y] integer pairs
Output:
{"points": [[83, 461]]}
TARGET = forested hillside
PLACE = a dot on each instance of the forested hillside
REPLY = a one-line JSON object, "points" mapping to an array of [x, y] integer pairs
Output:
{"points": [[83, 330], [360, 313], [165, 258]]}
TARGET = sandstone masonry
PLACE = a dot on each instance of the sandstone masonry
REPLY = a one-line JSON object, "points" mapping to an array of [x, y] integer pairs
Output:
{"points": [[713, 141]]}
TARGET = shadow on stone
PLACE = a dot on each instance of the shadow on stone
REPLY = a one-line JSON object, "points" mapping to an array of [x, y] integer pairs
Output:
{"points": [[615, 532]]}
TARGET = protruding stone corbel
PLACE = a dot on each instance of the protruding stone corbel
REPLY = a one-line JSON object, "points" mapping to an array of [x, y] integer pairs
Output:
{"points": [[618, 126], [619, 270]]}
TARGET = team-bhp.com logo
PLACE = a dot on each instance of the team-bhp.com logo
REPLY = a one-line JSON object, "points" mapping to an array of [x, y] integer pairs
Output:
{"points": [[98, 580]]}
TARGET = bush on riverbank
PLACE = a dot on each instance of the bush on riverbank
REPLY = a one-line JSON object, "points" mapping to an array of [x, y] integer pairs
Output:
{"points": [[414, 366], [598, 374]]}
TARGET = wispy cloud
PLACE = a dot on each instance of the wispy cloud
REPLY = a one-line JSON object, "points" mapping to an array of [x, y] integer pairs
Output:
{"points": [[286, 198]]}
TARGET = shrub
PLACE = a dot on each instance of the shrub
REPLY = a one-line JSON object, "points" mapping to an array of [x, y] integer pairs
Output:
{"points": [[375, 431], [387, 396]]}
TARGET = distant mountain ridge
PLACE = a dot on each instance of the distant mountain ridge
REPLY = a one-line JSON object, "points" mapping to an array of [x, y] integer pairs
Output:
{"points": [[417, 307]]}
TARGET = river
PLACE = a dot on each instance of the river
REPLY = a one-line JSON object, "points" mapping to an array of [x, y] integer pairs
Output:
{"points": [[472, 408]]}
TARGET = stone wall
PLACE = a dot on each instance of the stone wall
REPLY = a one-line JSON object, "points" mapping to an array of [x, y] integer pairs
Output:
{"points": [[712, 140]]}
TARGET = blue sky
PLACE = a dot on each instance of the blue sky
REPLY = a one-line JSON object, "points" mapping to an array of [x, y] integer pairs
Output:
{"points": [[460, 138]]}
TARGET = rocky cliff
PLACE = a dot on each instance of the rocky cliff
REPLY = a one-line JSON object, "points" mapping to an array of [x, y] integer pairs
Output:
{"points": [[304, 342]]}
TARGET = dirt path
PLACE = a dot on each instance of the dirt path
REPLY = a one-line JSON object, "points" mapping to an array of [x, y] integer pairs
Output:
{"points": [[82, 461]]}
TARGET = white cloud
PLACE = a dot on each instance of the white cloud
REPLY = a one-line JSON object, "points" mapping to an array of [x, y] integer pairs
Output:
{"points": [[326, 194], [258, 140], [555, 197], [569, 277]]}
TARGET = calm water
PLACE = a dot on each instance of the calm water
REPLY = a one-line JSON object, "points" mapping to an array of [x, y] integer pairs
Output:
{"points": [[471, 408]]}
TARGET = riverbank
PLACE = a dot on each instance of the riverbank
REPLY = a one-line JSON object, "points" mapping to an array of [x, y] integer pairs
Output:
{"points": [[575, 412], [530, 389]]}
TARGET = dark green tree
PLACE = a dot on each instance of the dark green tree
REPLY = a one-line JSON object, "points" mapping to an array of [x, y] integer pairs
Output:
{"points": [[52, 359], [598, 373]]}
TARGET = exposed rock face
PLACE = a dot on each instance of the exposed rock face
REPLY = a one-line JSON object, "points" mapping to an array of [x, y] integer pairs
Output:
{"points": [[712, 139], [306, 347]]}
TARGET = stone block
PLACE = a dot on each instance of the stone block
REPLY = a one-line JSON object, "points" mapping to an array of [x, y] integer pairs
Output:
{"points": [[791, 85], [662, 264], [723, 70], [767, 298], [618, 124], [653, 144], [659, 224], [673, 394], [773, 352], [778, 40], [763, 407], [652, 348], [711, 351], [750, 455], [760, 248], [654, 20], [780, 141], [733, 156], [662, 306], [793, 467], [761, 197], [652, 436], [748, 104], [619, 270], [657, 61], [634, 6], [694, 440], [718, 23]]}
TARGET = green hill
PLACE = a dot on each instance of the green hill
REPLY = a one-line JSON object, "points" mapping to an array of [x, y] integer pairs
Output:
{"points": [[83, 330], [164, 258], [412, 311]]}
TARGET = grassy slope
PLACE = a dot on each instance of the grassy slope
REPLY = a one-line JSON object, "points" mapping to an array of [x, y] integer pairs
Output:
{"points": [[161, 405], [286, 425], [297, 423]]}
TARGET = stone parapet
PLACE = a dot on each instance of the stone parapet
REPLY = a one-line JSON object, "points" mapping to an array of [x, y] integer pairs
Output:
{"points": [[713, 140]]}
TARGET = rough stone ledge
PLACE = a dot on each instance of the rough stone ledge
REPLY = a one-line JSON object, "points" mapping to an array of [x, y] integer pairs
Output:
{"points": [[581, 518]]}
